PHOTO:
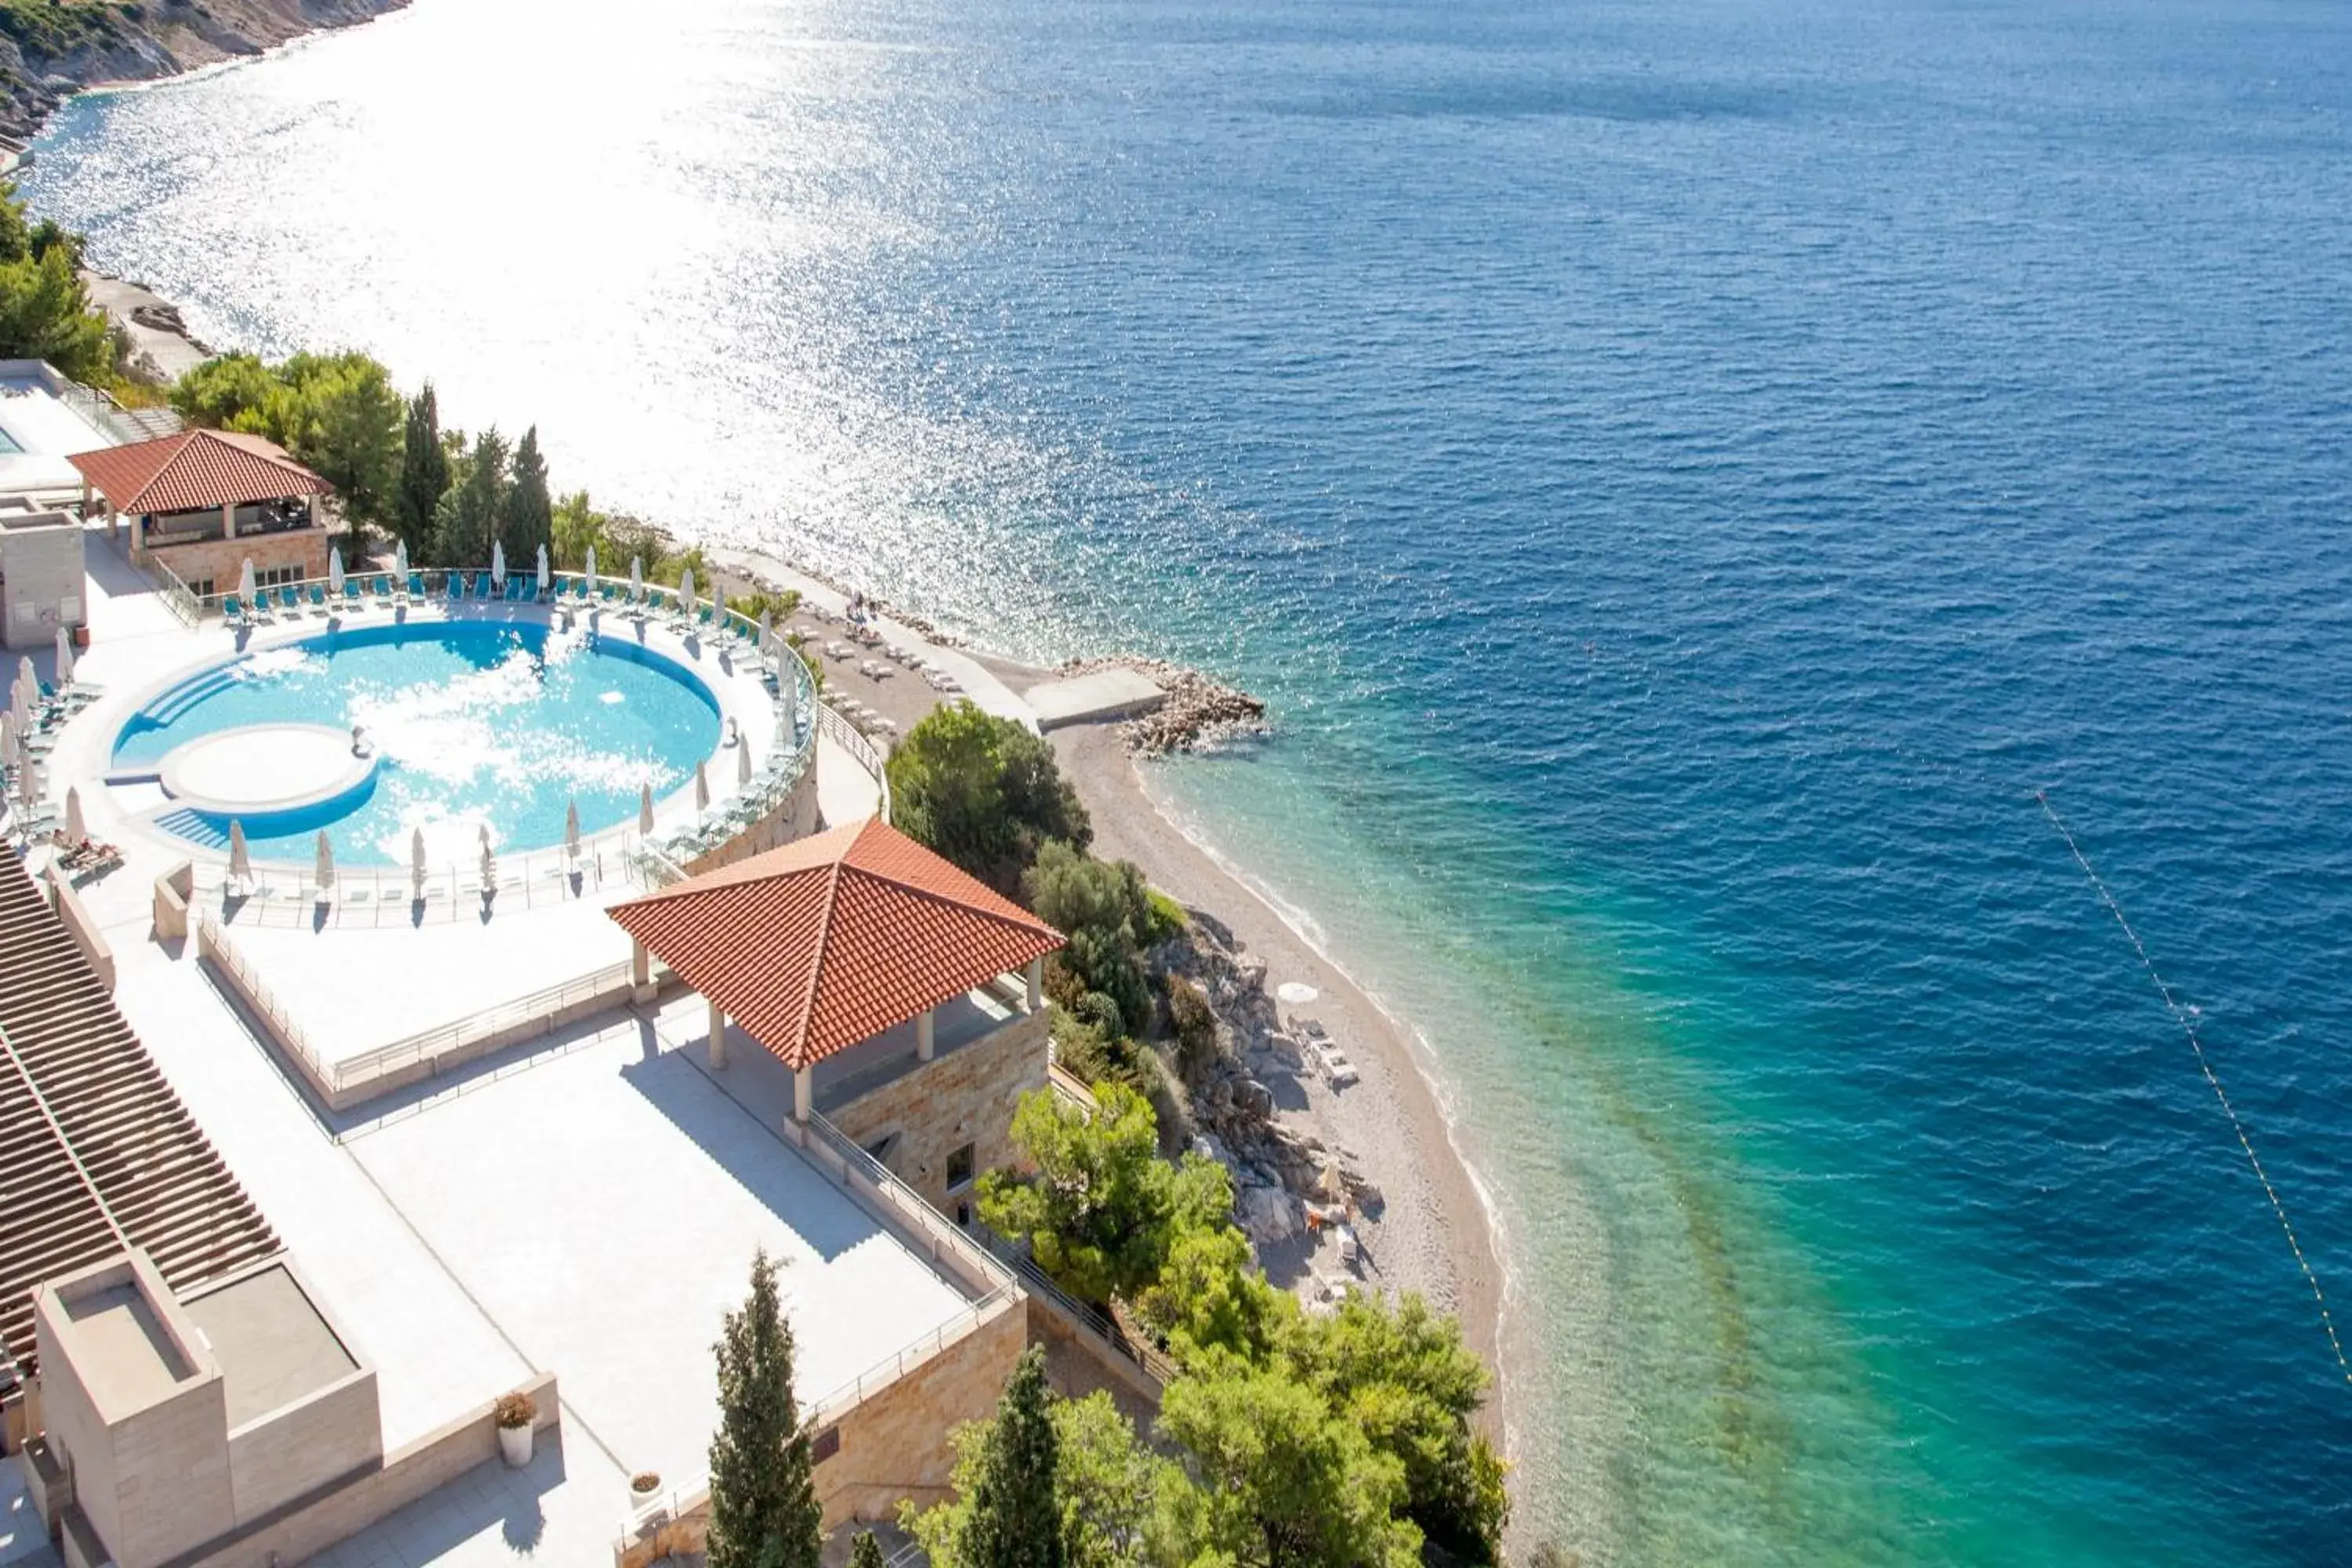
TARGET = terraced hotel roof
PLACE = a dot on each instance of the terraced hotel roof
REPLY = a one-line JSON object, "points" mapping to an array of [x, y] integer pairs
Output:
{"points": [[822, 943], [195, 469], [96, 1153]]}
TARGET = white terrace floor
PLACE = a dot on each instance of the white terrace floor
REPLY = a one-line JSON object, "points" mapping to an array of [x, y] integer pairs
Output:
{"points": [[589, 1207]]}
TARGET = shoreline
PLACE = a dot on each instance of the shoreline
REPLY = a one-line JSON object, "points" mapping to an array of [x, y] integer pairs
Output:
{"points": [[1438, 1231]]}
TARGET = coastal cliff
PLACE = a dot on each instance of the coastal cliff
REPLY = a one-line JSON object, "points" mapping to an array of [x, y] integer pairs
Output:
{"points": [[51, 48]]}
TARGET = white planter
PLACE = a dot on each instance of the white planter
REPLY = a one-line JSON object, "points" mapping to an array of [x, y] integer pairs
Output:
{"points": [[514, 1445]]}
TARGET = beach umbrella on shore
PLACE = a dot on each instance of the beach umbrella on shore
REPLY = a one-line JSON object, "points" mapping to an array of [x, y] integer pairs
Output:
{"points": [[543, 568], [644, 808], [588, 570], [324, 872], [702, 786], [65, 658], [244, 581], [572, 828], [76, 829], [240, 859], [416, 859], [400, 561], [636, 578], [499, 563], [335, 571]]}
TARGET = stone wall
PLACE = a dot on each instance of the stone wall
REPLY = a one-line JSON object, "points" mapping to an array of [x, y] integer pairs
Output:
{"points": [[223, 560], [966, 1096]]}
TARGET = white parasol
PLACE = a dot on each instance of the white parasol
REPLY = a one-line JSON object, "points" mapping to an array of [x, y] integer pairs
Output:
{"points": [[644, 808], [7, 736], [28, 782], [240, 859], [743, 762], [499, 562], [702, 786], [65, 658], [324, 874], [335, 571], [245, 589], [767, 632], [400, 561], [543, 568], [588, 570], [416, 859], [572, 829], [76, 830], [685, 592], [637, 579], [20, 708]]}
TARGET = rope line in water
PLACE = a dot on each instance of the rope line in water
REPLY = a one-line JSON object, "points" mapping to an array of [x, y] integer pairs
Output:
{"points": [[2180, 1015]]}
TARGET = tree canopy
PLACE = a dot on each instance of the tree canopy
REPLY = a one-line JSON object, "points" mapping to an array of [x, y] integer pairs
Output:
{"points": [[467, 520], [424, 473], [526, 516], [45, 308], [763, 1507], [336, 413], [984, 792]]}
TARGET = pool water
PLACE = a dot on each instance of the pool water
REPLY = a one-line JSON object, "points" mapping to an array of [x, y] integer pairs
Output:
{"points": [[475, 725]]}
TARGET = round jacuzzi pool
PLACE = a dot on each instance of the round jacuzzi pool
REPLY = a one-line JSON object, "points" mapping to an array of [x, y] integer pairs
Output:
{"points": [[467, 724]]}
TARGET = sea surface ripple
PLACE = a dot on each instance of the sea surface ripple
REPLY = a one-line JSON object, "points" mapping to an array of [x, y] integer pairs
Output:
{"points": [[1686, 475]]}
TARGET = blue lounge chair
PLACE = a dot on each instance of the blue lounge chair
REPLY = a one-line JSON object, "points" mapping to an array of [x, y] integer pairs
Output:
{"points": [[352, 593], [417, 584], [530, 594], [380, 586], [233, 609], [289, 600], [514, 589], [318, 599]]}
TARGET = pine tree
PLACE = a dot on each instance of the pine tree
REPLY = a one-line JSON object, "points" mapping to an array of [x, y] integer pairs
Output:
{"points": [[424, 472], [467, 518], [527, 516], [866, 1551], [763, 1507], [1016, 1520]]}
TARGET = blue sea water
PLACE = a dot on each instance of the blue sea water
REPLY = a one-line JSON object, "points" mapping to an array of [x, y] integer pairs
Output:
{"points": [[1685, 475], [475, 725]]}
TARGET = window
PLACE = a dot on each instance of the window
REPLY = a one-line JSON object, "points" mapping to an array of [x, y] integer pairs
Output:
{"points": [[960, 1170]]}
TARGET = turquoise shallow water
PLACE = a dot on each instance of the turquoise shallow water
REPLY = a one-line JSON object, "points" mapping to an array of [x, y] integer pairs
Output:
{"points": [[474, 726], [1685, 475]]}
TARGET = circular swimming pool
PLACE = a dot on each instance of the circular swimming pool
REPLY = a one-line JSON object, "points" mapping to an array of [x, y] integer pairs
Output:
{"points": [[471, 724]]}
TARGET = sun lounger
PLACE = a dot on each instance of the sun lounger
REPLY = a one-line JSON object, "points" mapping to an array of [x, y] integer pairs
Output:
{"points": [[530, 594], [289, 600], [233, 609], [415, 586], [318, 599], [382, 587], [350, 594]]}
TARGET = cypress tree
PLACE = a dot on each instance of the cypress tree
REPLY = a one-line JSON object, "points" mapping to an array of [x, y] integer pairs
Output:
{"points": [[1016, 1520], [866, 1551], [467, 518], [424, 472], [763, 1507], [527, 519]]}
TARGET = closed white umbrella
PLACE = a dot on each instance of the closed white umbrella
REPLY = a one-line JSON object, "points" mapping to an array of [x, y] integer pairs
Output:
{"points": [[543, 568], [637, 579], [7, 736], [702, 786], [572, 829], [244, 581], [325, 872], [767, 632], [20, 708], [75, 829], [499, 563], [686, 590], [400, 561], [588, 570], [240, 859], [743, 762], [644, 808], [489, 866], [27, 679], [335, 570], [65, 658], [28, 782], [416, 859]]}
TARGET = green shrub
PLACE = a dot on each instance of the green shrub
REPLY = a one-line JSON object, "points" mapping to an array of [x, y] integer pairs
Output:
{"points": [[984, 792]]}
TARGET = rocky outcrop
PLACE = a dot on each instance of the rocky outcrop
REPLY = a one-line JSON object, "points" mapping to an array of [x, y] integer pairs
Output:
{"points": [[1199, 713], [1278, 1170], [48, 52]]}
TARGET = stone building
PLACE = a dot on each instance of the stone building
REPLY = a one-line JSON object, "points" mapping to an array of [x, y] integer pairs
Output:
{"points": [[204, 502]]}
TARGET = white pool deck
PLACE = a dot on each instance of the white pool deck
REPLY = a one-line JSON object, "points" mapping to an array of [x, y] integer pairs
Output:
{"points": [[588, 1205]]}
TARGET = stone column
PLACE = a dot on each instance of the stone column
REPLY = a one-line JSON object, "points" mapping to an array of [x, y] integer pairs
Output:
{"points": [[641, 973], [229, 521], [1037, 984], [804, 1093], [923, 1034], [717, 1035]]}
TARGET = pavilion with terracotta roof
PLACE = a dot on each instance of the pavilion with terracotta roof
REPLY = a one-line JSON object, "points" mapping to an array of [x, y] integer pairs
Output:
{"points": [[833, 941], [212, 499]]}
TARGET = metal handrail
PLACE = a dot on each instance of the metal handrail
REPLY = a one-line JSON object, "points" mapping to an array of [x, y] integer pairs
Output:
{"points": [[1155, 1364], [913, 1207], [444, 1037], [861, 750], [212, 943]]}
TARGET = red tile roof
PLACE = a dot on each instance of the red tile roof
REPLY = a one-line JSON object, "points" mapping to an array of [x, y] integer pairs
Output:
{"points": [[830, 941], [194, 470]]}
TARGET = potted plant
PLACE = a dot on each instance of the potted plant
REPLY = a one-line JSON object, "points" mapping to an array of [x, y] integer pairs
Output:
{"points": [[643, 1487], [513, 1414]]}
